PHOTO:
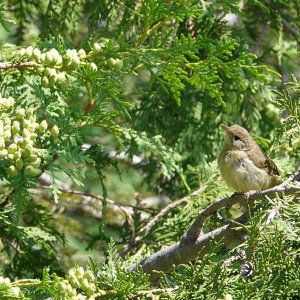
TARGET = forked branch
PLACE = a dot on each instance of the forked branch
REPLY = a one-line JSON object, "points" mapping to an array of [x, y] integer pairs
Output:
{"points": [[194, 243]]}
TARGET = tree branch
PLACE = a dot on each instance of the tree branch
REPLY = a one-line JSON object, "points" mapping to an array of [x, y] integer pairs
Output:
{"points": [[193, 244], [290, 28], [149, 32], [7, 65], [152, 222], [243, 199], [98, 197], [145, 230], [181, 253]]}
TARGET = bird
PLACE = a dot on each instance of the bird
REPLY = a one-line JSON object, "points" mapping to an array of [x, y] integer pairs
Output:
{"points": [[243, 164]]}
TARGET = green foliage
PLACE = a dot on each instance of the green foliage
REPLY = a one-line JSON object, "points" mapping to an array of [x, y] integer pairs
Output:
{"points": [[89, 86], [271, 252], [4, 21], [110, 280], [8, 291], [273, 256], [155, 147], [287, 102], [23, 245]]}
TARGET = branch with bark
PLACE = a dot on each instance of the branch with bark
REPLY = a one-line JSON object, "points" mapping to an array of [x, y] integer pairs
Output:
{"points": [[153, 221], [194, 243], [8, 65]]}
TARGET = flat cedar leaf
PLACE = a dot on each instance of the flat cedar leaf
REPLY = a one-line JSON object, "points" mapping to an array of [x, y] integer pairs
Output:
{"points": [[4, 21], [37, 233], [82, 81], [154, 146], [55, 192]]}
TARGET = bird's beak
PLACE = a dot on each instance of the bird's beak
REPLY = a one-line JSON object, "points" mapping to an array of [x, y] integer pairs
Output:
{"points": [[226, 128]]}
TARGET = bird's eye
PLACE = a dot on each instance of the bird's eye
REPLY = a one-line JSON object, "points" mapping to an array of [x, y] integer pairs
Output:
{"points": [[237, 138]]}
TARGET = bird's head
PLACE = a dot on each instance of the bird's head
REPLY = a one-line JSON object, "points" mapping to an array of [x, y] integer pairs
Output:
{"points": [[236, 137]]}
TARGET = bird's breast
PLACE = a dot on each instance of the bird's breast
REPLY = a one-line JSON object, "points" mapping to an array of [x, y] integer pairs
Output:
{"points": [[240, 173]]}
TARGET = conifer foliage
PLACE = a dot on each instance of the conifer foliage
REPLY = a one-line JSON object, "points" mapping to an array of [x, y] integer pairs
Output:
{"points": [[94, 88]]}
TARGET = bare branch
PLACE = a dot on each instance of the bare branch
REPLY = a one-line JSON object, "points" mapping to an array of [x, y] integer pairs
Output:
{"points": [[123, 207], [289, 27], [181, 253], [145, 230], [152, 222], [193, 244], [98, 197], [7, 65], [240, 256], [246, 198]]}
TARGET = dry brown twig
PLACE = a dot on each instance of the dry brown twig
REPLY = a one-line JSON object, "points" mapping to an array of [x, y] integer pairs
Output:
{"points": [[153, 221], [121, 206], [98, 197], [8, 65]]}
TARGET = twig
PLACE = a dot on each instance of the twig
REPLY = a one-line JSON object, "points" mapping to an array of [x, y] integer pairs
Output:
{"points": [[109, 201], [240, 256], [130, 223], [87, 207], [7, 65], [193, 245], [98, 197], [291, 29], [26, 282], [150, 31], [274, 213], [197, 226], [260, 38], [14, 245], [153, 292], [145, 230], [152, 222]]}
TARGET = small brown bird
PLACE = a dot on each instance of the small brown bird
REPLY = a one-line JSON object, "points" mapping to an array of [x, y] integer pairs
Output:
{"points": [[243, 164]]}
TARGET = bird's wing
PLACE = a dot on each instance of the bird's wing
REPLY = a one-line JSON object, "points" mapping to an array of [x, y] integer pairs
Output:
{"points": [[264, 162], [271, 166]]}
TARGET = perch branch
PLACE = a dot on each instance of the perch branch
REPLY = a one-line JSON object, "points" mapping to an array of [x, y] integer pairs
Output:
{"points": [[243, 199], [193, 244]]}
